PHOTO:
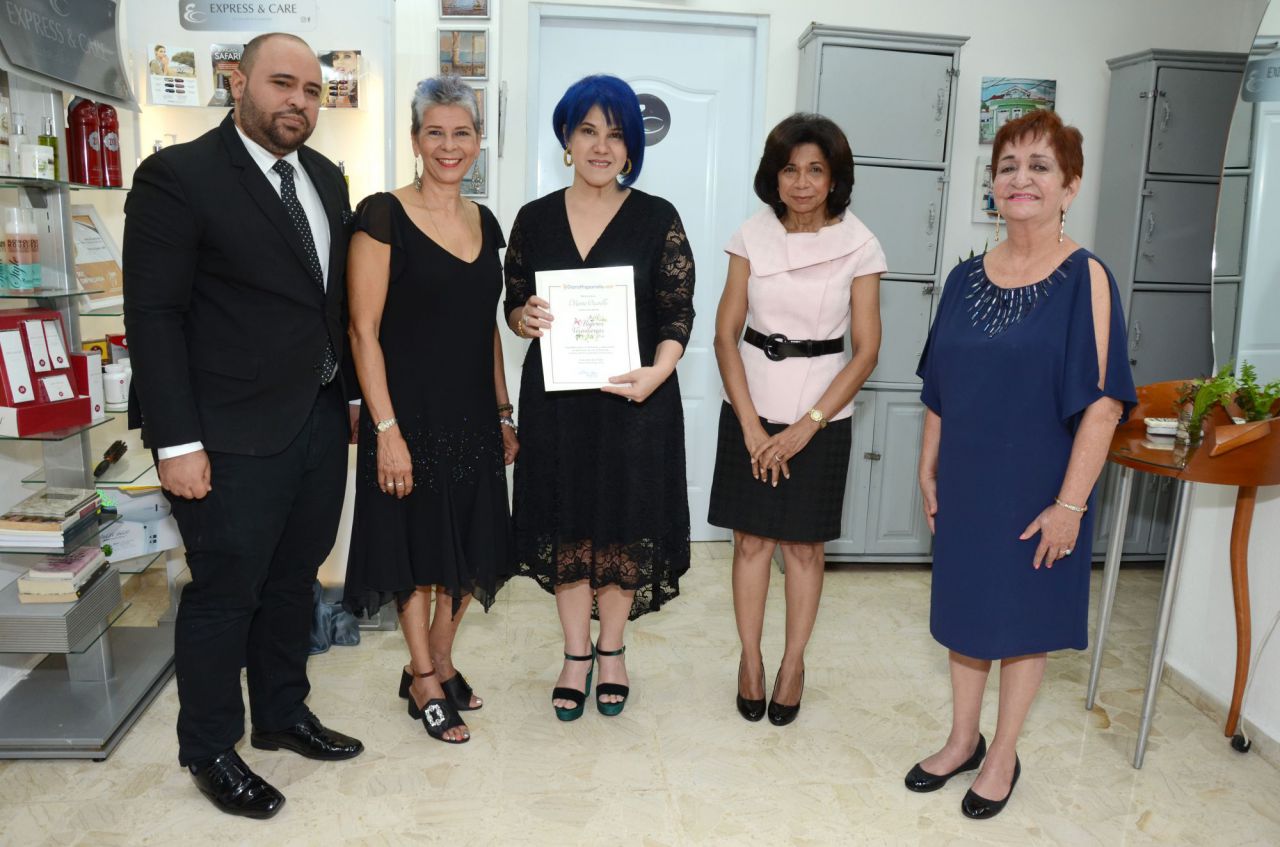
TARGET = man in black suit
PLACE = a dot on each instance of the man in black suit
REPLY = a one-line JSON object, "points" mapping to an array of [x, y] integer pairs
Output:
{"points": [[235, 250]]}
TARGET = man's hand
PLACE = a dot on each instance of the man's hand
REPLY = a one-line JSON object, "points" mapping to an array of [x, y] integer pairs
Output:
{"points": [[186, 476]]}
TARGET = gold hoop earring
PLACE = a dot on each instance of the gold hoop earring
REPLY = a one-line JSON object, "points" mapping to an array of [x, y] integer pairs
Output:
{"points": [[997, 227], [568, 160], [1062, 226], [626, 168], [417, 177]]}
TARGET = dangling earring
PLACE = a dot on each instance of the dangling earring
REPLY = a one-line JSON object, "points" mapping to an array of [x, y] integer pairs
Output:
{"points": [[997, 227], [1062, 226], [627, 168], [417, 177], [568, 160]]}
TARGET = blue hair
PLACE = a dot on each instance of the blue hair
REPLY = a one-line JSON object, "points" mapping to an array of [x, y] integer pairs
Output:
{"points": [[621, 108]]}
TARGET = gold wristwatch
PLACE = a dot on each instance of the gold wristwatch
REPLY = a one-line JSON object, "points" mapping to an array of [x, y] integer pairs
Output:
{"points": [[815, 415]]}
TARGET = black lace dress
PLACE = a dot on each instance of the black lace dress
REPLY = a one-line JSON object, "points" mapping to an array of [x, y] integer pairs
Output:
{"points": [[599, 482], [436, 335]]}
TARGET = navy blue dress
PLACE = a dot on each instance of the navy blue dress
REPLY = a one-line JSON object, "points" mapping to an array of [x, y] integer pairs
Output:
{"points": [[1010, 372]]}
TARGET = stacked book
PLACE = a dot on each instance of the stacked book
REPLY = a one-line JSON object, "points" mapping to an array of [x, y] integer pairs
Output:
{"points": [[48, 518], [59, 627], [62, 579]]}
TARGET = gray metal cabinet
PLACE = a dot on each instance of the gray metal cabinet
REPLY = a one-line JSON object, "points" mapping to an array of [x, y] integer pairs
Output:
{"points": [[903, 207], [905, 313], [1169, 334], [1193, 109], [1240, 139], [1176, 242], [901, 114], [896, 524], [1228, 241], [857, 492], [1226, 302]]}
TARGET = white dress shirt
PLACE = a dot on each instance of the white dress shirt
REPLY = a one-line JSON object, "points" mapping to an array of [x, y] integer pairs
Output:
{"points": [[310, 200]]}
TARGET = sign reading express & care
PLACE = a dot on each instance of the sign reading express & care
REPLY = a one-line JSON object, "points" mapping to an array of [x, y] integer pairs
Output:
{"points": [[68, 40], [231, 15]]}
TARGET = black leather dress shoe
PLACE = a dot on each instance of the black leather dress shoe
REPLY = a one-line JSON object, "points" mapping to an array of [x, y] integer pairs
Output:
{"points": [[980, 808], [919, 779], [229, 784], [309, 738]]}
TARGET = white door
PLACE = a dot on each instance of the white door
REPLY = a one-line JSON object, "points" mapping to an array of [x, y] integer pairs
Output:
{"points": [[707, 70]]}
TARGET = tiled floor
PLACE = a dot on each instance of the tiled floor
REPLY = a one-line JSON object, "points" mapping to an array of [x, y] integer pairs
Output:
{"points": [[679, 766]]}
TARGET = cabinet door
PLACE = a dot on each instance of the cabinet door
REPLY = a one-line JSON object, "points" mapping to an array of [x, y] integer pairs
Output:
{"points": [[903, 207], [1226, 300], [895, 519], [904, 318], [1190, 122], [1169, 335], [1163, 491], [892, 104], [1240, 139], [853, 526], [1137, 527], [1175, 239], [1228, 242]]}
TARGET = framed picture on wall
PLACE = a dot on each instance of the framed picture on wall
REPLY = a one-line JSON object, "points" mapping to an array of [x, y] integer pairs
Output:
{"points": [[480, 99], [984, 203], [465, 52], [475, 183], [1007, 97], [475, 9]]}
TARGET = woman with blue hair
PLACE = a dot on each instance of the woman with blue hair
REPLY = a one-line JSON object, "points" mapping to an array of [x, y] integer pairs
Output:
{"points": [[600, 508]]}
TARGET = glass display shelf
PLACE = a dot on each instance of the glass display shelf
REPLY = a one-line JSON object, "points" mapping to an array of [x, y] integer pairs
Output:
{"points": [[58, 434], [82, 538], [138, 564], [116, 311], [52, 184], [131, 467], [41, 293]]}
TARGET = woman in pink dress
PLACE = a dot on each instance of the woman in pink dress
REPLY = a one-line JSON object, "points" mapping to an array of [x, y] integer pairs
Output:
{"points": [[802, 274]]}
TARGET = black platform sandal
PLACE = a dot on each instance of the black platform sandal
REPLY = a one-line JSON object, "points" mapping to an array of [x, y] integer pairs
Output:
{"points": [[438, 716], [579, 698], [456, 688], [604, 689]]}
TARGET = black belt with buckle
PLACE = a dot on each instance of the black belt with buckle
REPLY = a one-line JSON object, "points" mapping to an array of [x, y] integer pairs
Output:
{"points": [[777, 347]]}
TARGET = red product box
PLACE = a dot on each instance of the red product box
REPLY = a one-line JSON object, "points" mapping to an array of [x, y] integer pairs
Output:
{"points": [[41, 383]]}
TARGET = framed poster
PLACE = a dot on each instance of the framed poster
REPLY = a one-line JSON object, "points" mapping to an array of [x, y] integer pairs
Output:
{"points": [[474, 9], [984, 203], [465, 52], [1007, 97], [475, 183], [97, 260]]}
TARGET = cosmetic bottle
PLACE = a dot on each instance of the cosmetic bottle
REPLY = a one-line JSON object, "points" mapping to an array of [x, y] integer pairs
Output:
{"points": [[109, 132], [17, 138], [21, 250], [5, 167], [84, 147], [49, 139]]}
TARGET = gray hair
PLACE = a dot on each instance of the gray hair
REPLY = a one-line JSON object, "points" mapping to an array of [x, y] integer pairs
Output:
{"points": [[445, 90]]}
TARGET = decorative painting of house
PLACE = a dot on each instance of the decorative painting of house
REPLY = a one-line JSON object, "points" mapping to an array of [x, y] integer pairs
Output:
{"points": [[1005, 98]]}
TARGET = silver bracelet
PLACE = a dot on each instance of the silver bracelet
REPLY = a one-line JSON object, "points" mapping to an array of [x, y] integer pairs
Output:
{"points": [[507, 420], [1070, 508]]}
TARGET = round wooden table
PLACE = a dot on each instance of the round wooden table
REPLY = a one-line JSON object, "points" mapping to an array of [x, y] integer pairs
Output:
{"points": [[1247, 467]]}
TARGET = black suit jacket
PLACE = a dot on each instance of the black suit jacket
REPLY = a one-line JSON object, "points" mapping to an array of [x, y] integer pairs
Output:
{"points": [[224, 321]]}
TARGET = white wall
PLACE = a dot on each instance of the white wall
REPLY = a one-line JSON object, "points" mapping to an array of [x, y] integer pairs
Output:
{"points": [[1202, 643]]}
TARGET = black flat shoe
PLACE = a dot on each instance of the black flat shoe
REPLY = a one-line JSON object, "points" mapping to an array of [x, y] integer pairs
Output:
{"points": [[229, 784], [920, 780], [980, 808], [752, 710], [455, 688], [438, 716], [309, 738], [780, 715]]}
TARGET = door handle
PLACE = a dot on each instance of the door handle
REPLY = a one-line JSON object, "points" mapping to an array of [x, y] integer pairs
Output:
{"points": [[1165, 114], [1137, 336], [933, 216], [1151, 225], [939, 105], [871, 457], [1150, 257]]}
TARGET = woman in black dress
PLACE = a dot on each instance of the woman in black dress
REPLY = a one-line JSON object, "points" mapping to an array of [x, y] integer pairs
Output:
{"points": [[601, 512], [436, 429]]}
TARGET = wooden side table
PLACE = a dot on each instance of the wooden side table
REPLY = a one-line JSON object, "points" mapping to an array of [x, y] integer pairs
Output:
{"points": [[1247, 468]]}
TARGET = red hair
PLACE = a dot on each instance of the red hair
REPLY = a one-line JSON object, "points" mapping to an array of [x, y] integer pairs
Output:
{"points": [[1066, 141]]}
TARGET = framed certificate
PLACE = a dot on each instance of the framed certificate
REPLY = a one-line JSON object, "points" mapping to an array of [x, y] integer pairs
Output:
{"points": [[594, 333]]}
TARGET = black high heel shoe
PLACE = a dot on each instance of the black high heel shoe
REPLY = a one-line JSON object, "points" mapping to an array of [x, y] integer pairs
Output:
{"points": [[438, 715], [752, 710], [604, 689], [980, 808], [779, 714], [920, 780], [578, 698], [456, 688]]}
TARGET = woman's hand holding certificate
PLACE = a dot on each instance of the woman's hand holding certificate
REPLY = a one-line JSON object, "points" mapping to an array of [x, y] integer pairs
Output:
{"points": [[594, 343]]}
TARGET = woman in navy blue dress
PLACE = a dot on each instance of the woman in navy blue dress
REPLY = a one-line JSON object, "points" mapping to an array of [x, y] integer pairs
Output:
{"points": [[1025, 379]]}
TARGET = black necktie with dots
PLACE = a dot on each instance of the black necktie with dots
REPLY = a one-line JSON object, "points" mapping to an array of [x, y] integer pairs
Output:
{"points": [[327, 366]]}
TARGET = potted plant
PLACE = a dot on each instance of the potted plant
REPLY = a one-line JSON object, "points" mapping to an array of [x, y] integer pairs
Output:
{"points": [[1198, 397], [1256, 402]]}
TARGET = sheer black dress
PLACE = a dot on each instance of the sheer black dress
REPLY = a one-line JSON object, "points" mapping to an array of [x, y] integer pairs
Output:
{"points": [[600, 490], [436, 335]]}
